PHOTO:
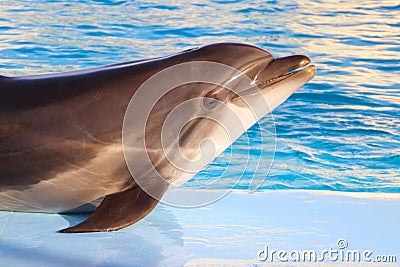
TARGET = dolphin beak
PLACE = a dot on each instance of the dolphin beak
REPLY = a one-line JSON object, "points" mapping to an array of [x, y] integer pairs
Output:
{"points": [[279, 68], [277, 81]]}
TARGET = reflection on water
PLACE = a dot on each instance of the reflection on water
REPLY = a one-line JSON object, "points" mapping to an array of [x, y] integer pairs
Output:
{"points": [[340, 132], [155, 241]]}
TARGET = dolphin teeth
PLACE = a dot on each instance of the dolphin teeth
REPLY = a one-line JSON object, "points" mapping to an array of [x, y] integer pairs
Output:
{"points": [[277, 79]]}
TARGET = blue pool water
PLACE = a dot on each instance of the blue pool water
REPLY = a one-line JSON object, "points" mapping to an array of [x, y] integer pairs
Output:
{"points": [[339, 132]]}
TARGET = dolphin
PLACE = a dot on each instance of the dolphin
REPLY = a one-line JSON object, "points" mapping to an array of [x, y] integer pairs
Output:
{"points": [[61, 134]]}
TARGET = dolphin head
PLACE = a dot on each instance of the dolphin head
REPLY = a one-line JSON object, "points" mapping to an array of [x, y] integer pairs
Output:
{"points": [[221, 91]]}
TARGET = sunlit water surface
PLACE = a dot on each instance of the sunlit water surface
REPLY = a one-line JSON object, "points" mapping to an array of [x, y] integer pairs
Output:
{"points": [[340, 132]]}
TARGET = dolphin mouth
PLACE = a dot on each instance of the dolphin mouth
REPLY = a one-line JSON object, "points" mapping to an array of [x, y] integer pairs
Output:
{"points": [[282, 68], [277, 81]]}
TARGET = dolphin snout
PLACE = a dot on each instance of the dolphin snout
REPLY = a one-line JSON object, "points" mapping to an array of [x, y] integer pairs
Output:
{"points": [[280, 67]]}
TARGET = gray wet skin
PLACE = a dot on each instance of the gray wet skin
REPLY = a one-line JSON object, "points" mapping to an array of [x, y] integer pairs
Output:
{"points": [[61, 134]]}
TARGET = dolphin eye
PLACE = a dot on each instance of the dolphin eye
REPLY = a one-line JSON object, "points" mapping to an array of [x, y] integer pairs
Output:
{"points": [[209, 103]]}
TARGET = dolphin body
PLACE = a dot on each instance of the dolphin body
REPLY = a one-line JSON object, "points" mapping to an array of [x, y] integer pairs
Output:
{"points": [[61, 134]]}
